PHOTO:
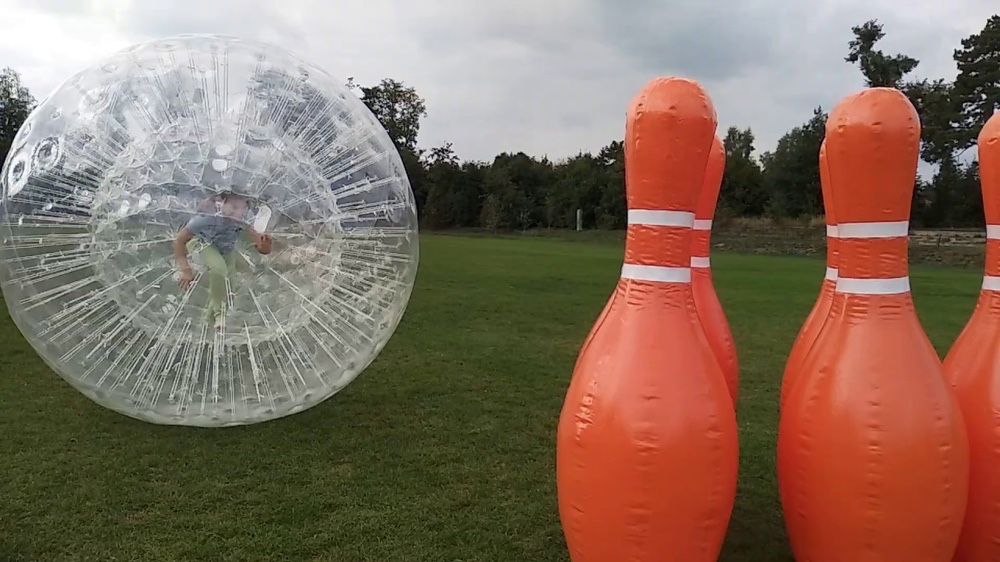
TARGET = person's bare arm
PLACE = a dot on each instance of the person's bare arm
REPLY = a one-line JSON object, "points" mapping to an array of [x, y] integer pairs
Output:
{"points": [[181, 258], [260, 241]]}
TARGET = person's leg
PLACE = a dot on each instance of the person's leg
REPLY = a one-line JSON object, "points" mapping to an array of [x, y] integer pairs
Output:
{"points": [[231, 271], [217, 273]]}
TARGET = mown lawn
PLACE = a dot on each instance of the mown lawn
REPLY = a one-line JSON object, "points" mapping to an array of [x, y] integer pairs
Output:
{"points": [[443, 450]]}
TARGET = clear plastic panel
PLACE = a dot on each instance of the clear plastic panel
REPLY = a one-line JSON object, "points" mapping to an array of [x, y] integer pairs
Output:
{"points": [[108, 170]]}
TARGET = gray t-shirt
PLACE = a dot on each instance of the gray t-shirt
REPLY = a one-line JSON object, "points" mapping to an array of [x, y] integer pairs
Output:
{"points": [[216, 230]]}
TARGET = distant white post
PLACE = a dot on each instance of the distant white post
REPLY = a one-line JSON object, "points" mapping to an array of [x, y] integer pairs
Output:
{"points": [[579, 220]]}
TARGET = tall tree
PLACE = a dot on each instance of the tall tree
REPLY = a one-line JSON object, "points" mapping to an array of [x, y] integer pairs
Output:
{"points": [[443, 154], [878, 68], [453, 190], [920, 203], [577, 185], [416, 172], [505, 206], [969, 208], [934, 102], [16, 102], [529, 179], [791, 172], [469, 200], [738, 143], [442, 179], [742, 191], [977, 86], [611, 211], [949, 115], [398, 107]]}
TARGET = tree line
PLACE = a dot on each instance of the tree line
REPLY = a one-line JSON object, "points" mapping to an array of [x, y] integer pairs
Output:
{"points": [[516, 191]]}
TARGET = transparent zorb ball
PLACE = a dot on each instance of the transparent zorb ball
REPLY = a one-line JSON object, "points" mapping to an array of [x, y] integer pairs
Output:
{"points": [[108, 170]]}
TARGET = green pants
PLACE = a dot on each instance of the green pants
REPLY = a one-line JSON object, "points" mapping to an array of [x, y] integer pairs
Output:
{"points": [[220, 268]]}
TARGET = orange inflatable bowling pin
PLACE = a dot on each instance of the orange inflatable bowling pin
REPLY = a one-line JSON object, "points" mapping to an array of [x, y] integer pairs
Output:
{"points": [[872, 452], [646, 444], [973, 369], [821, 309], [710, 312]]}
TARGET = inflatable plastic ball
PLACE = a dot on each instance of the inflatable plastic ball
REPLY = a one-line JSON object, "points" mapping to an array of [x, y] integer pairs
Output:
{"points": [[206, 231]]}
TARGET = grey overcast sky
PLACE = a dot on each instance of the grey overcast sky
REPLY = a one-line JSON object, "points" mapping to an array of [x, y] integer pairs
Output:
{"points": [[547, 77]]}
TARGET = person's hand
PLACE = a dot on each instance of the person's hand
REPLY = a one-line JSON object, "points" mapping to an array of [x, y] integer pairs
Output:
{"points": [[186, 278], [263, 243]]}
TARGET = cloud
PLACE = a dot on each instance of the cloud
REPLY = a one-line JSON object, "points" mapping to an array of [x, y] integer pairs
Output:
{"points": [[689, 37], [549, 78]]}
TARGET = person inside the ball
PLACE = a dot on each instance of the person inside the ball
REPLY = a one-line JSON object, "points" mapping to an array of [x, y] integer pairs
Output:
{"points": [[219, 227]]}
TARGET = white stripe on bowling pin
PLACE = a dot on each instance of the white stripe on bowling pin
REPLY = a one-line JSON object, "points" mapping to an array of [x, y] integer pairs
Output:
{"points": [[855, 286], [703, 224], [869, 230], [991, 283], [650, 217], [831, 232], [873, 229], [659, 273], [699, 261]]}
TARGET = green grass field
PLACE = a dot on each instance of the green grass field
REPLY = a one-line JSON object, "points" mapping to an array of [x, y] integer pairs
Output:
{"points": [[443, 450]]}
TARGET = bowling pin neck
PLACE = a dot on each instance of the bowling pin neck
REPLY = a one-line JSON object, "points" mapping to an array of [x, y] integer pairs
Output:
{"points": [[872, 258], [701, 240], [991, 277], [989, 298], [988, 304], [658, 246], [831, 252]]}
